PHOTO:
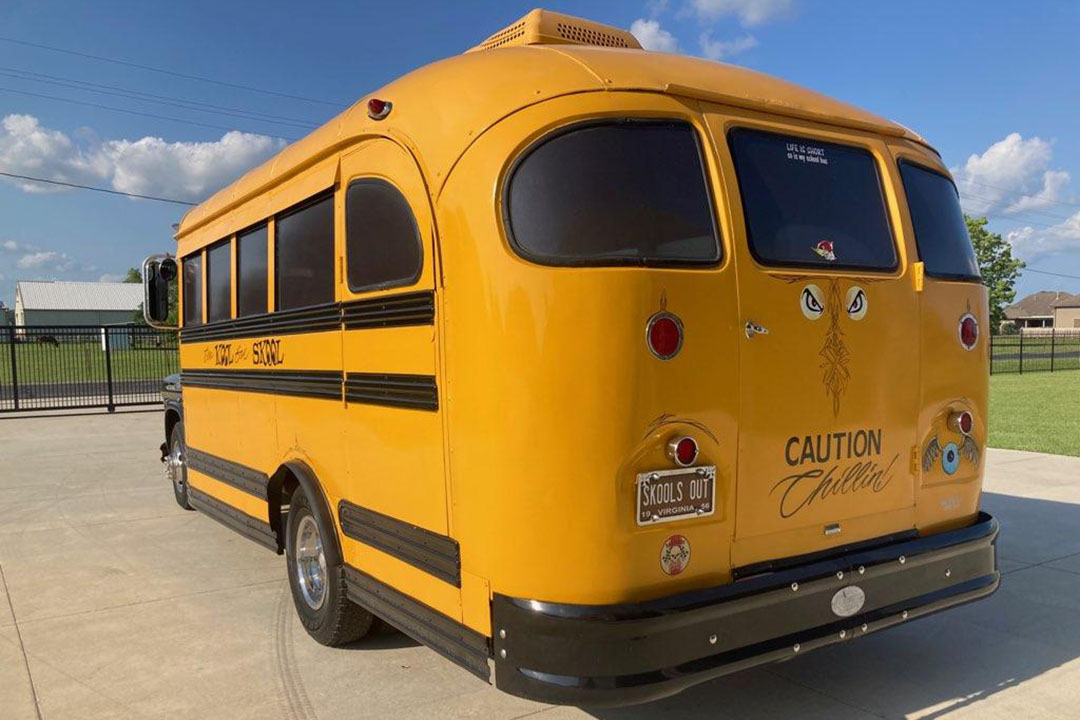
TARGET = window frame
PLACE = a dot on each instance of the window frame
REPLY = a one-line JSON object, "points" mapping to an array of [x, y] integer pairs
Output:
{"points": [[794, 264], [265, 225], [217, 245], [328, 194], [200, 281], [628, 262], [386, 285], [900, 162]]}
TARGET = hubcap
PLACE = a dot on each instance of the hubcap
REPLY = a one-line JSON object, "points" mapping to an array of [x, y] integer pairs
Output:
{"points": [[174, 466], [310, 563]]}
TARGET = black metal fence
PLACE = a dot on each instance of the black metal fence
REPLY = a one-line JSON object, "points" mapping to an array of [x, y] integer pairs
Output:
{"points": [[66, 367], [1035, 351]]}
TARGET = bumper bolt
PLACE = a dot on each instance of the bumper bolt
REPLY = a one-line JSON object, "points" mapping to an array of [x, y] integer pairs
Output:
{"points": [[502, 634], [903, 559], [903, 615], [861, 570], [502, 653], [795, 587], [712, 639], [865, 627], [843, 634], [796, 648], [948, 572], [840, 575]]}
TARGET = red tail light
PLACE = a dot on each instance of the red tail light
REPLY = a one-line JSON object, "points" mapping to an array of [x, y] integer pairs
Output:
{"points": [[378, 109], [969, 331], [683, 450], [664, 334], [961, 422]]}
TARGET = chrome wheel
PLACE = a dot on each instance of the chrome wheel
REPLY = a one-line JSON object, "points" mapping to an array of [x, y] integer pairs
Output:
{"points": [[174, 467], [310, 563]]}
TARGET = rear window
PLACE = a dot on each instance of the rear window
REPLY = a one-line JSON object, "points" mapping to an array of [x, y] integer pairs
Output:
{"points": [[810, 203], [940, 231], [615, 193]]}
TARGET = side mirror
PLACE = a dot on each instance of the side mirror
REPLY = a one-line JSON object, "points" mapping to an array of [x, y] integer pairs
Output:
{"points": [[159, 275]]}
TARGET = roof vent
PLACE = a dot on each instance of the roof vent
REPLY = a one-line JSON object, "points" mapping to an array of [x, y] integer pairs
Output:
{"points": [[542, 27]]}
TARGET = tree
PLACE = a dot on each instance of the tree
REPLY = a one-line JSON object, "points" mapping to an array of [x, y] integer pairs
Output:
{"points": [[133, 276], [998, 267]]}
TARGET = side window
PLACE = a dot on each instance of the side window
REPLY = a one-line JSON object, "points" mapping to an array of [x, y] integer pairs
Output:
{"points": [[304, 255], [193, 289], [219, 282], [940, 231], [251, 272], [382, 240]]}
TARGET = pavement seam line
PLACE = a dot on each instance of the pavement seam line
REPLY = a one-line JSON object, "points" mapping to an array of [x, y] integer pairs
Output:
{"points": [[22, 646], [822, 693]]}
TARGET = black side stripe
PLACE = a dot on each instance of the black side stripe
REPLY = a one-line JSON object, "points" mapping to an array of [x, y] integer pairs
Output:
{"points": [[435, 554], [390, 311], [230, 517], [324, 384], [318, 318], [401, 310], [239, 476], [443, 634], [407, 391]]}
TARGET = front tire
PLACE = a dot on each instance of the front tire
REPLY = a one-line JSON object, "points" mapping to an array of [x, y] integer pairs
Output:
{"points": [[176, 466], [317, 584]]}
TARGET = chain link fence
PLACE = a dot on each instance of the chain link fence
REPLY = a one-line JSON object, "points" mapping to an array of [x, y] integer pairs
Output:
{"points": [[67, 367]]}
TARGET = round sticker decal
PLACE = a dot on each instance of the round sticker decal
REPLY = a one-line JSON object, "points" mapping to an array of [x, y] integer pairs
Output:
{"points": [[812, 302], [675, 555], [950, 458], [856, 303]]}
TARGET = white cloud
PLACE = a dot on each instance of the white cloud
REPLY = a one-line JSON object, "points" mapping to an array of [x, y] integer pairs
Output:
{"points": [[720, 49], [1030, 242], [10, 245], [653, 37], [147, 166], [110, 278], [49, 260], [1012, 176], [749, 12]]}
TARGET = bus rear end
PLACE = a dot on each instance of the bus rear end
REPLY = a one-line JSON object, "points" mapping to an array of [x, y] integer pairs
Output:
{"points": [[708, 403]]}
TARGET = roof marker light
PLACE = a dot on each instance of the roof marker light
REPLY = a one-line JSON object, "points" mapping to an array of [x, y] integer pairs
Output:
{"points": [[378, 109]]}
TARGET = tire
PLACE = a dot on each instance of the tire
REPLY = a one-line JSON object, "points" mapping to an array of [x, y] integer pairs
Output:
{"points": [[319, 593], [176, 466]]}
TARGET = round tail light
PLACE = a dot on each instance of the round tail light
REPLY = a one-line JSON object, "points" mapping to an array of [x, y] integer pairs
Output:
{"points": [[961, 422], [664, 335], [683, 450], [969, 331], [378, 109]]}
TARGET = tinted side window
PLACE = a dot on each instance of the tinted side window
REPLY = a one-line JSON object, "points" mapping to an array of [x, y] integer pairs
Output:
{"points": [[382, 240], [251, 272], [940, 231], [304, 252], [811, 203], [219, 282], [193, 289], [624, 193]]}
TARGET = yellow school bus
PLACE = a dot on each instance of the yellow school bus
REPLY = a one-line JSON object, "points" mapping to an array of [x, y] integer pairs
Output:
{"points": [[601, 372]]}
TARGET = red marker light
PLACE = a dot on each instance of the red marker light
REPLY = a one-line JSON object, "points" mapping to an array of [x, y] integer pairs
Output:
{"points": [[664, 334], [378, 109], [969, 331], [961, 422], [683, 450]]}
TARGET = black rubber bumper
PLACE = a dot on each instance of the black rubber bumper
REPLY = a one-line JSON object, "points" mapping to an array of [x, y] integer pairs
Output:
{"points": [[632, 653]]}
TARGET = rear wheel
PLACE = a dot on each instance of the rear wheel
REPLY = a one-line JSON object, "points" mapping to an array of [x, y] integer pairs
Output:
{"points": [[317, 582], [176, 467]]}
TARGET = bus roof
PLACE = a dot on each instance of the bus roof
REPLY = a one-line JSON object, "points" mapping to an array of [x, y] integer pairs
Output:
{"points": [[438, 110]]}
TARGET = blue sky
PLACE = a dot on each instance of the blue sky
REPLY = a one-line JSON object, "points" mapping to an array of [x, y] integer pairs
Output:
{"points": [[994, 86]]}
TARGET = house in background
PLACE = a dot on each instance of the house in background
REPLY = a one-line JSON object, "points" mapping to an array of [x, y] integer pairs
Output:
{"points": [[1067, 313], [46, 302], [1038, 310], [7, 315]]}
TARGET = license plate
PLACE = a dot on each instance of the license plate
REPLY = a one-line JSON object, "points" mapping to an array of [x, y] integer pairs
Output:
{"points": [[665, 495]]}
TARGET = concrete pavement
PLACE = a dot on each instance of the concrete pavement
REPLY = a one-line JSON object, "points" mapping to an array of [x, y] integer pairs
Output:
{"points": [[114, 603]]}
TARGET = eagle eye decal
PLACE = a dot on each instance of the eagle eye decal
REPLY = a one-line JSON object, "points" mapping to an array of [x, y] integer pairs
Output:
{"points": [[856, 303], [812, 302]]}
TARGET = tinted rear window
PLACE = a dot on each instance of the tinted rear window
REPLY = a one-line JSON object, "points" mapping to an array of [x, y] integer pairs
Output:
{"points": [[810, 203], [626, 193], [940, 231]]}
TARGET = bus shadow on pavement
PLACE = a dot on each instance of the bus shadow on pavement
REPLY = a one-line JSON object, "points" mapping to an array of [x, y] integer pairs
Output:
{"points": [[935, 665]]}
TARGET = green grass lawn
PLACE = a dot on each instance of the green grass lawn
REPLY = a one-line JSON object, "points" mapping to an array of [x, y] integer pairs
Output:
{"points": [[1036, 411], [84, 362]]}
